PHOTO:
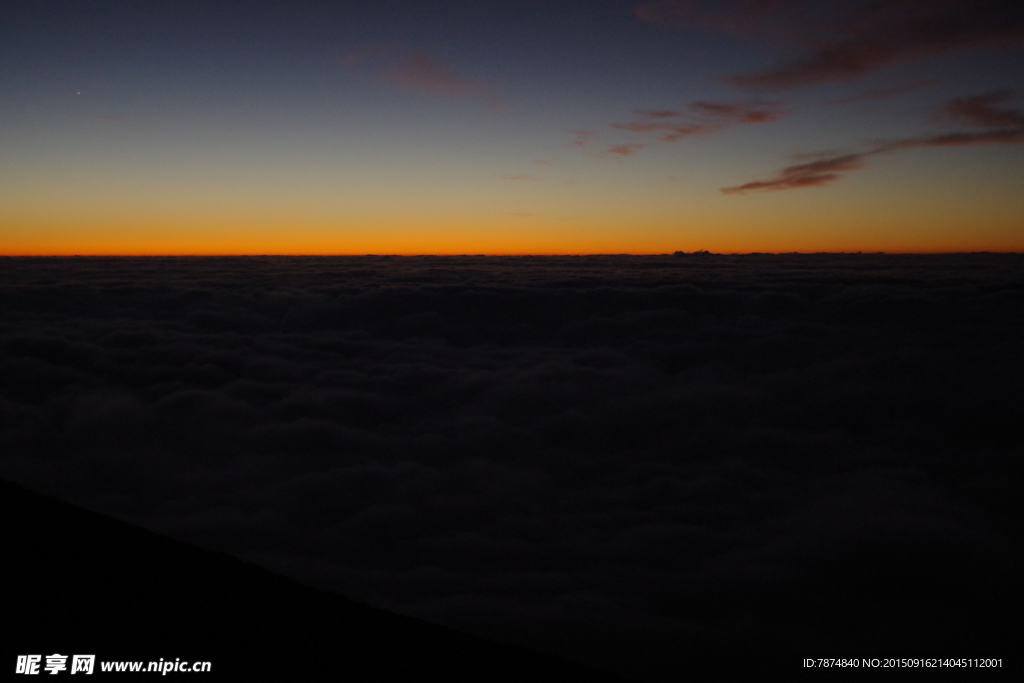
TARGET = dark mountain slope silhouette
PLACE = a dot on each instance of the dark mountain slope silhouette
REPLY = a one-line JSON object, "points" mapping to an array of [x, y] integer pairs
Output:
{"points": [[77, 582]]}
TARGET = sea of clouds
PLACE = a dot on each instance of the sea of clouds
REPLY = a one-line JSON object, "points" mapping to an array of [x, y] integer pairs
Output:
{"points": [[627, 460]]}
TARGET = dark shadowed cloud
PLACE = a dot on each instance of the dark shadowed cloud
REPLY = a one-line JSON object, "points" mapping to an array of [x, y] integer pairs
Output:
{"points": [[425, 74], [670, 132], [659, 113], [841, 41], [583, 137], [893, 33], [810, 174], [700, 118], [417, 72], [879, 94], [624, 150], [616, 458], [1006, 136], [757, 112], [1005, 126], [980, 110], [736, 17]]}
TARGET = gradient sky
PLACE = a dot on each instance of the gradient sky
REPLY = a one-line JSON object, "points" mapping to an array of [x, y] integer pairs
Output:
{"points": [[484, 126]]}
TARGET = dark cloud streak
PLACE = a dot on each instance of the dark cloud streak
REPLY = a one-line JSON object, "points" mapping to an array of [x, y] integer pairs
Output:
{"points": [[700, 118], [417, 72], [423, 73], [883, 93], [979, 111], [842, 41], [811, 174], [624, 150], [893, 33], [1006, 127]]}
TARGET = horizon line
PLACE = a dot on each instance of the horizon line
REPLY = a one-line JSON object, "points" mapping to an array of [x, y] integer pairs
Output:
{"points": [[701, 252]]}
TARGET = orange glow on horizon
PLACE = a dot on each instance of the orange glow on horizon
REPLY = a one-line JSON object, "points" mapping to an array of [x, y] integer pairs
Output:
{"points": [[503, 236], [453, 250]]}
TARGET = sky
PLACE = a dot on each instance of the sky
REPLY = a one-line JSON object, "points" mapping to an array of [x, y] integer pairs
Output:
{"points": [[527, 127]]}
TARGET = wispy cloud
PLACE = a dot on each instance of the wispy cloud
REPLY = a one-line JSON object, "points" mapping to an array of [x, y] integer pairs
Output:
{"points": [[882, 93], [811, 174], [842, 40], [736, 17], [732, 114], [424, 74], [1006, 136], [1000, 126], [669, 132], [701, 118], [980, 111], [418, 72], [659, 113], [521, 176], [887, 33], [583, 137], [624, 150]]}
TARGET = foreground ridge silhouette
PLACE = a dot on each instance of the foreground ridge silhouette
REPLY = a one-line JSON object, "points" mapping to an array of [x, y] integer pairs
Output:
{"points": [[78, 582]]}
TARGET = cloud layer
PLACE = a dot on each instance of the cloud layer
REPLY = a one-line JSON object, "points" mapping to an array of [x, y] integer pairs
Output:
{"points": [[635, 461]]}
